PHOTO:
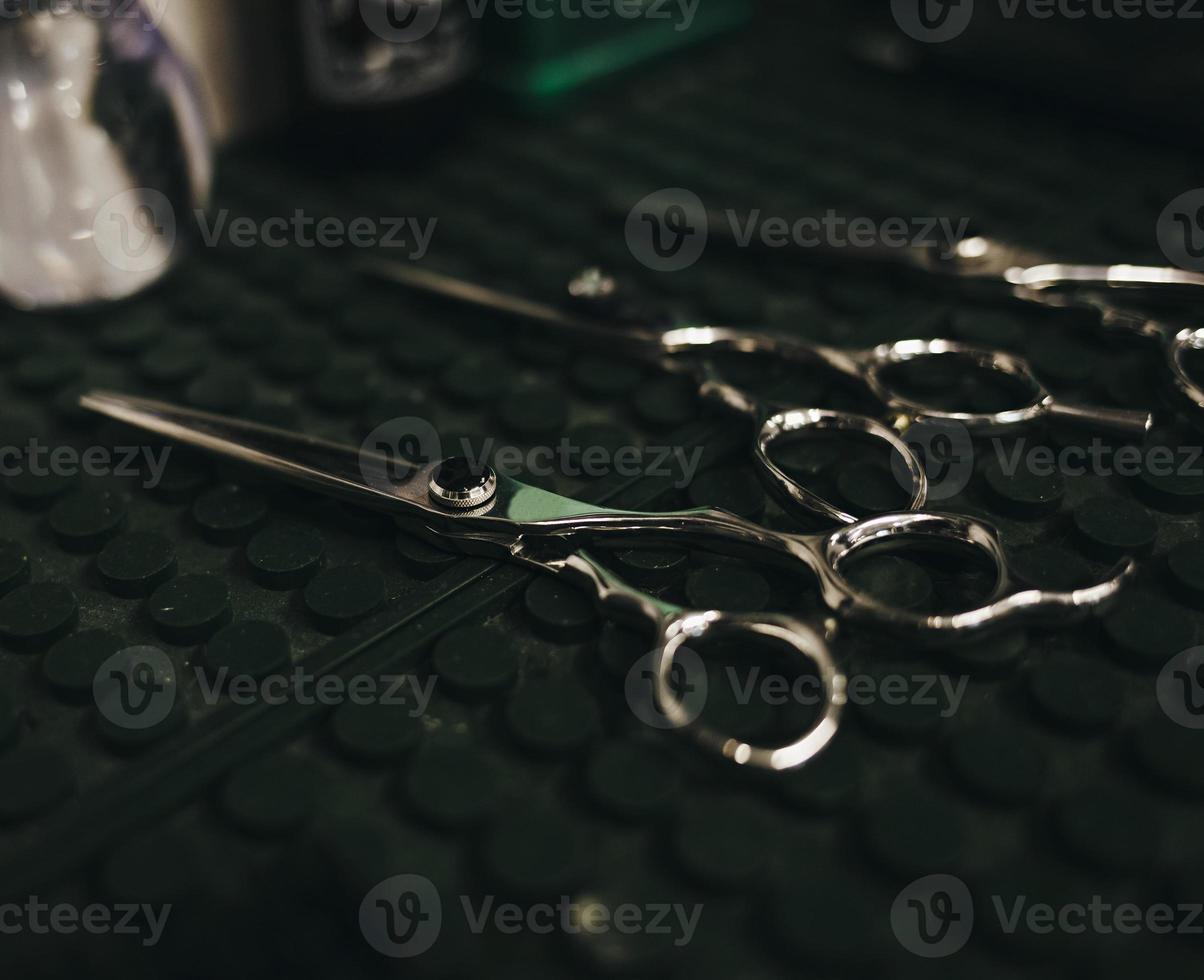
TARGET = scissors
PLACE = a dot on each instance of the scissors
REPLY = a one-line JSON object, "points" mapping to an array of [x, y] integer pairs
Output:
{"points": [[989, 265], [1061, 285], [476, 510], [678, 348]]}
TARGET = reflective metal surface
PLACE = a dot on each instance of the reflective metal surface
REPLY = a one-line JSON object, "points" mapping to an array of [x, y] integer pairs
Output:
{"points": [[1033, 278], [867, 368], [103, 153], [551, 532]]}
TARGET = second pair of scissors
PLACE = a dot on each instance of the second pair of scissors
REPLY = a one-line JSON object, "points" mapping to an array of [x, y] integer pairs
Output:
{"points": [[687, 347]]}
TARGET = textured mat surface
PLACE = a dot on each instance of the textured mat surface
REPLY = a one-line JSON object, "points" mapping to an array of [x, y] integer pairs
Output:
{"points": [[1056, 776]]}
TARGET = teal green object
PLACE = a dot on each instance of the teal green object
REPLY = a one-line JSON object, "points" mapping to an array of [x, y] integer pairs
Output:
{"points": [[543, 49]]}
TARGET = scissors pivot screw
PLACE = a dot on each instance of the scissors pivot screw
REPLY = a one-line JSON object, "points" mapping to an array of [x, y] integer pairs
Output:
{"points": [[459, 485]]}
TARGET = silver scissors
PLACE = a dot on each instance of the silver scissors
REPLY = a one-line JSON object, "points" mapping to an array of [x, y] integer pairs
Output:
{"points": [[479, 511], [1065, 285], [680, 347], [989, 265]]}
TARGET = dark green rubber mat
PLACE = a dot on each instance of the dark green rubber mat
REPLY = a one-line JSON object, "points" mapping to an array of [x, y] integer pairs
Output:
{"points": [[490, 804]]}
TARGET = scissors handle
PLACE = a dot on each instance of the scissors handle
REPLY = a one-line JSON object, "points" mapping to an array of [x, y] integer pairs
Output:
{"points": [[879, 361], [1183, 388], [521, 522], [828, 556], [1004, 609], [779, 427], [871, 367], [1040, 284], [680, 630], [1187, 340]]}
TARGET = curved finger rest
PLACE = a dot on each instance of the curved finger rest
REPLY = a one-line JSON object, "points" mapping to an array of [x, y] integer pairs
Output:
{"points": [[782, 426], [697, 627], [1004, 609], [1185, 341]]}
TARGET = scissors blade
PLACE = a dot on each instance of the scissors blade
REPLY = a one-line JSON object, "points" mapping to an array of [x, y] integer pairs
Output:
{"points": [[382, 480], [474, 294], [362, 476], [596, 332]]}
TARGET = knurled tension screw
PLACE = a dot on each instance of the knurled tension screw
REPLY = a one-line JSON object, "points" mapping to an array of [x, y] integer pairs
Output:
{"points": [[459, 485]]}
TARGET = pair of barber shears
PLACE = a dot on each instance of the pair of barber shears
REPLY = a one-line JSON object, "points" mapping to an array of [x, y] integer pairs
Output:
{"points": [[990, 267], [688, 347], [1095, 288], [474, 509]]}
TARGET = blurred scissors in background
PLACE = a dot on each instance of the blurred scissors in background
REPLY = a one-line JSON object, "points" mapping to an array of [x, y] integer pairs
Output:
{"points": [[680, 348], [1061, 285], [476, 510], [988, 266]]}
